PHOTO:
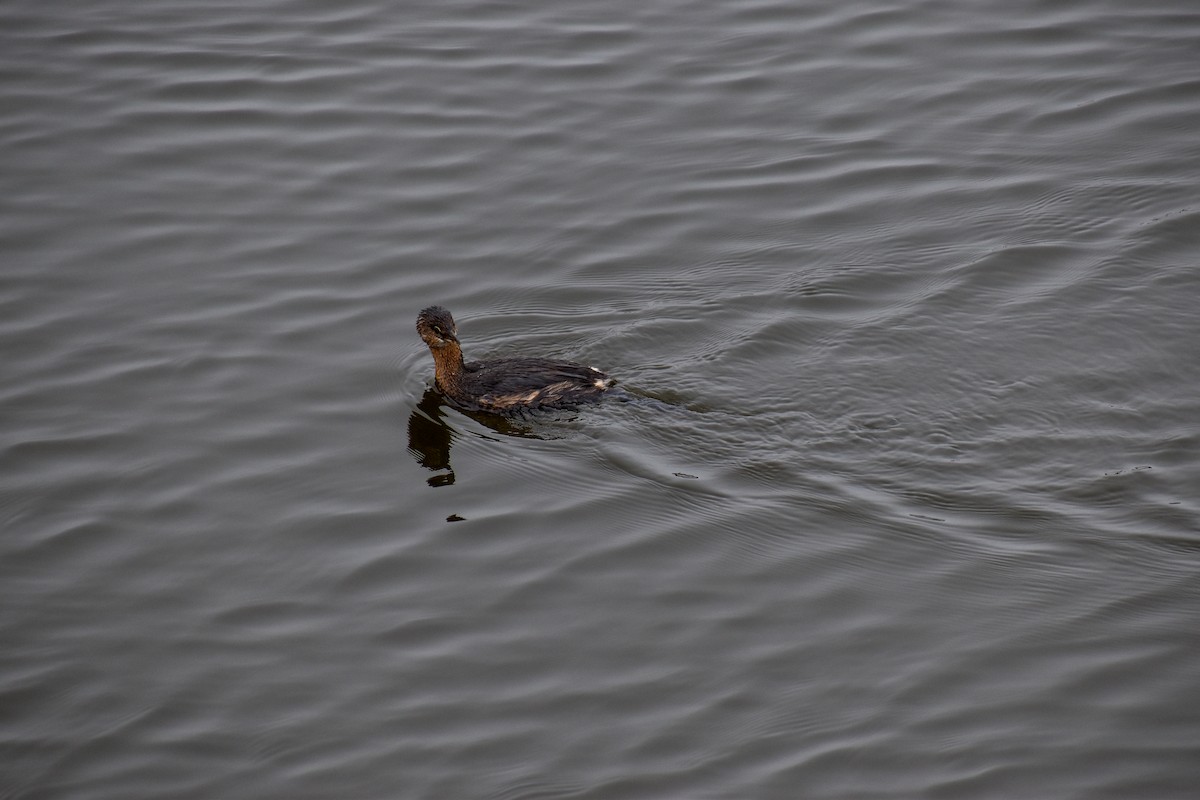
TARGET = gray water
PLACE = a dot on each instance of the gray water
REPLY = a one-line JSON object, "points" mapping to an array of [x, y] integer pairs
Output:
{"points": [[909, 506]]}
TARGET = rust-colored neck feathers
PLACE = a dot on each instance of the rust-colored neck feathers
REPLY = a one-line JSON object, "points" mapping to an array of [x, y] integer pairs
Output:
{"points": [[448, 367]]}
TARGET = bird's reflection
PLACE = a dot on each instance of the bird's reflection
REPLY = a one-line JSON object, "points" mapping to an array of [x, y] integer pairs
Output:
{"points": [[430, 434], [429, 438]]}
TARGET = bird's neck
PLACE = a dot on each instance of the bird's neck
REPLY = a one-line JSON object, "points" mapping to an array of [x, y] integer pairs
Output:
{"points": [[448, 367]]}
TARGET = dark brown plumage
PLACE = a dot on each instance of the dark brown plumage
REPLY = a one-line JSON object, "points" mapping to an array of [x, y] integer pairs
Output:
{"points": [[504, 385]]}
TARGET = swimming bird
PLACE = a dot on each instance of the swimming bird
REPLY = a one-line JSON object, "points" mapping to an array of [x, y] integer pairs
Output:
{"points": [[504, 385]]}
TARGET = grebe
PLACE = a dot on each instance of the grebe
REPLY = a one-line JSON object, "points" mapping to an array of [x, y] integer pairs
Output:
{"points": [[504, 385]]}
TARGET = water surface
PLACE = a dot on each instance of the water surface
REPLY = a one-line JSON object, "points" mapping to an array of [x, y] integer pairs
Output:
{"points": [[910, 509]]}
